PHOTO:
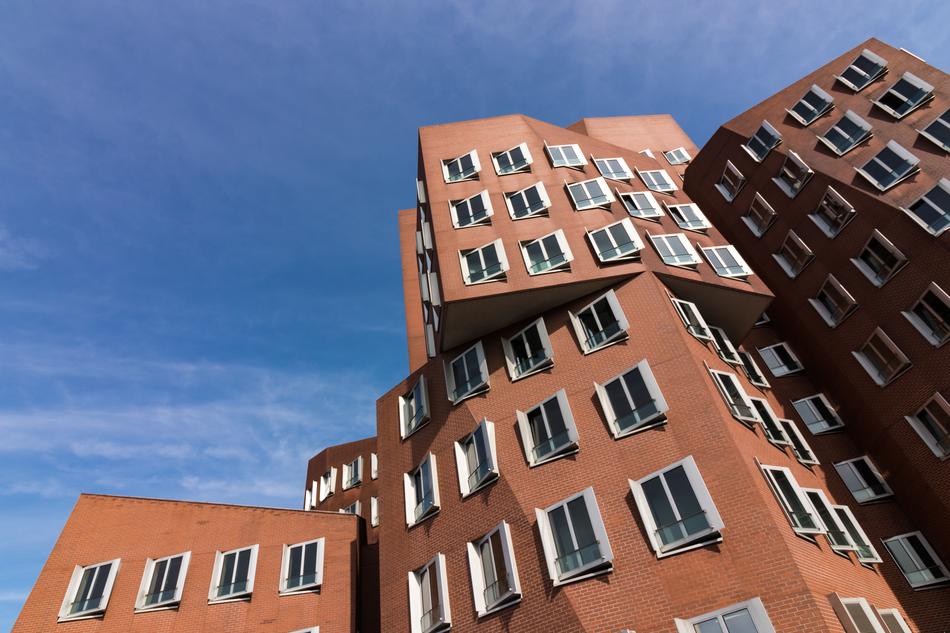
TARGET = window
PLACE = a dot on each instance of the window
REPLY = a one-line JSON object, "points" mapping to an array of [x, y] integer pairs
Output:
{"points": [[353, 508], [465, 167], [588, 194], [374, 511], [486, 263], [780, 359], [893, 621], [600, 323], [89, 589], [752, 371], [862, 71], [724, 347], [494, 571], [327, 484], [677, 511], [774, 432], [726, 261], [760, 216], [548, 430], [471, 211], [632, 401], [938, 132], [793, 255], [677, 156], [832, 214], [763, 320], [879, 260], [833, 302], [890, 166], [932, 423], [905, 96], [353, 473], [932, 210], [849, 132], [833, 528], [731, 182], [429, 598], [931, 315], [863, 480], [763, 141], [881, 358], [817, 414], [735, 396], [692, 319], [574, 540], [794, 504], [800, 447], [528, 202], [616, 242], [856, 615], [865, 551], [641, 204], [566, 155], [529, 351], [793, 175], [512, 161], [744, 617], [675, 249], [302, 566], [233, 576], [467, 374], [814, 104], [162, 582], [373, 466], [613, 168], [475, 459], [414, 408], [917, 560], [547, 254], [657, 180], [688, 216], [422, 491]]}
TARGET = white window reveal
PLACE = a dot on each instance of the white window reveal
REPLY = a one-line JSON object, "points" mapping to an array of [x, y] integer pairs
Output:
{"points": [[879, 260], [832, 526], [600, 323], [464, 167], [744, 617], [863, 479], [476, 459], [917, 559], [794, 175], [881, 358], [421, 487], [938, 132], [89, 589], [793, 255], [485, 263], [429, 610], [862, 71], [353, 473], [547, 254], [780, 359], [815, 103], [233, 575], [373, 466], [302, 566], [472, 211], [799, 444], [675, 249], [890, 166], [657, 180], [724, 347], [817, 414], [909, 93], [833, 302], [726, 261], [774, 431], [792, 499], [327, 484], [565, 155], [616, 242], [762, 141], [932, 423], [641, 204], [512, 161], [528, 202], [688, 216], [353, 508], [760, 216], [414, 408], [467, 374], [932, 210], [632, 401], [528, 351], [849, 132], [731, 182], [494, 572], [574, 539], [374, 511], [162, 582], [590, 194], [548, 430], [677, 156], [856, 615], [613, 168], [864, 550], [752, 371], [692, 319], [833, 213], [740, 406], [893, 621]]}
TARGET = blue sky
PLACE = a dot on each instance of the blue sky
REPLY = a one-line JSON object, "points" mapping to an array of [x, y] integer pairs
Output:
{"points": [[199, 277]]}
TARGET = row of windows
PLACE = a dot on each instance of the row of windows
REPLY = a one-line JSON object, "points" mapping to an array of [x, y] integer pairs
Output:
{"points": [[325, 487]]}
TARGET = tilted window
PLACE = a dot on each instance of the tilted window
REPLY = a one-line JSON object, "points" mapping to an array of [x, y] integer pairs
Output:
{"points": [[464, 167], [327, 484], [528, 202], [414, 408], [302, 566], [632, 401], [879, 260], [657, 180], [692, 319], [863, 479], [752, 371], [938, 132], [429, 610], [512, 161], [485, 263], [688, 216], [600, 323], [353, 473], [677, 156], [817, 414], [233, 575], [471, 211], [856, 615], [762, 141], [548, 430], [799, 444], [932, 423], [744, 617], [833, 302], [792, 499], [421, 487], [932, 210], [760, 216], [613, 168], [931, 315], [89, 589], [574, 539], [353, 508], [862, 71], [373, 466], [863, 548], [731, 182], [832, 526], [528, 351], [724, 347], [476, 458], [616, 242], [549, 253], [566, 155], [774, 431], [890, 166], [793, 255], [905, 96], [793, 175], [893, 621], [162, 582], [467, 374], [881, 358], [780, 359], [675, 249], [917, 560], [374, 511], [833, 213], [589, 194], [494, 572], [849, 132], [726, 261], [641, 204], [815, 103], [735, 396]]}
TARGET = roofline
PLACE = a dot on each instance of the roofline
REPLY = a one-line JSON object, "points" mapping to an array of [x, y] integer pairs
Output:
{"points": [[94, 495]]}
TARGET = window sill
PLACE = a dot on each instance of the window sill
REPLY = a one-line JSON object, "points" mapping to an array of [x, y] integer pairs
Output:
{"points": [[652, 423], [730, 197], [303, 590], [75, 618], [595, 570], [505, 604], [481, 389], [241, 598], [422, 424], [567, 451], [703, 541], [426, 517], [753, 155], [545, 364], [922, 328], [161, 607], [490, 478], [620, 339]]}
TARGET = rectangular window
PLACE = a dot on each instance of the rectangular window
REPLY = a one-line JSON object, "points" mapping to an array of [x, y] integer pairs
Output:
{"points": [[676, 508], [735, 396], [414, 408], [529, 351], [494, 571], [528, 202], [862, 71], [327, 484], [373, 466], [931, 315], [865, 551], [932, 210], [548, 430], [932, 423], [724, 347], [675, 249], [780, 359], [512, 161], [429, 610], [692, 319], [774, 431], [763, 141], [467, 374], [421, 487], [752, 371], [677, 156], [815, 103], [589, 194], [547, 254], [879, 260], [89, 589], [613, 168], [162, 582], [565, 155], [760, 216], [832, 214], [475, 459], [909, 93], [817, 414], [890, 166], [744, 617], [793, 175], [726, 261], [302, 566], [632, 401], [938, 132], [833, 302], [856, 615], [893, 621], [464, 167], [794, 504], [353, 473], [917, 560], [374, 511], [688, 216], [600, 323], [233, 575], [641, 204], [793, 255], [849, 132], [574, 539], [353, 508], [731, 182], [485, 263], [800, 446], [657, 180], [616, 242], [472, 211], [833, 528], [863, 479], [881, 358]]}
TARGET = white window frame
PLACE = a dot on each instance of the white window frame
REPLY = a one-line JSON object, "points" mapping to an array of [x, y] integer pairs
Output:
{"points": [[348, 481], [664, 238], [846, 467], [944, 184], [718, 378], [773, 429], [817, 114], [688, 309], [626, 174], [711, 253], [895, 147], [590, 205], [917, 83], [701, 492], [675, 211], [873, 58], [542, 194], [354, 508], [601, 566], [901, 538], [219, 555], [404, 430], [724, 347], [785, 263], [755, 375], [629, 201], [765, 353], [823, 311], [830, 231], [677, 156], [581, 159], [420, 191], [150, 565], [631, 234], [517, 170], [285, 567], [840, 606], [754, 607], [872, 555], [832, 525], [770, 130], [374, 511], [73, 587], [889, 246], [477, 572], [919, 324], [327, 484], [899, 622], [571, 446], [653, 388], [623, 324], [476, 166], [486, 201], [542, 364], [855, 120], [799, 445], [451, 387], [644, 174], [487, 428], [753, 226], [806, 402], [566, 254], [939, 447], [784, 502], [944, 120], [500, 275], [373, 466], [409, 490], [735, 175], [790, 187], [878, 378], [444, 623]]}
